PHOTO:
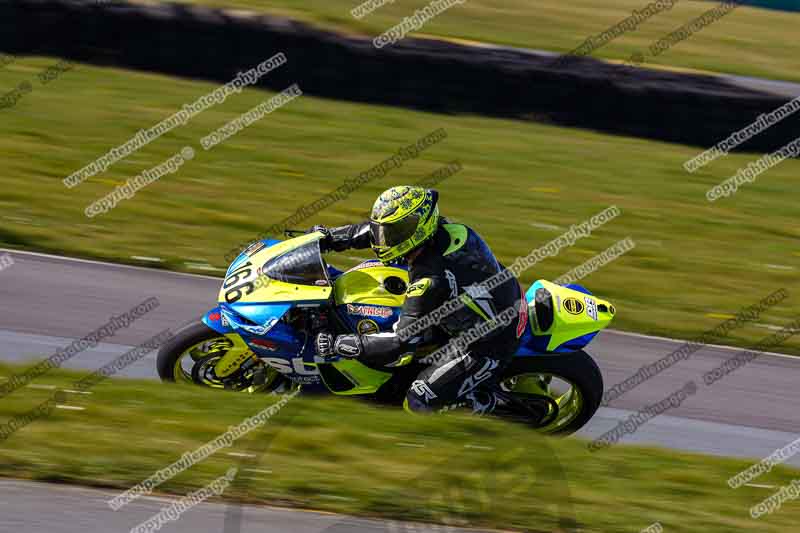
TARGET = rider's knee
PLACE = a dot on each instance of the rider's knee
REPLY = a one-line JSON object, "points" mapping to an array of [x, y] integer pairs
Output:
{"points": [[416, 404]]}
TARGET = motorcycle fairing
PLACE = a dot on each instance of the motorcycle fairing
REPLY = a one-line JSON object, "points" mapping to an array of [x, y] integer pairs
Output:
{"points": [[257, 292], [350, 377], [247, 282], [565, 319], [254, 247], [252, 305], [369, 296], [215, 321]]}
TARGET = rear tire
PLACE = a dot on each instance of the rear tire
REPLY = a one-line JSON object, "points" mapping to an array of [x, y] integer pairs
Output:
{"points": [[578, 368]]}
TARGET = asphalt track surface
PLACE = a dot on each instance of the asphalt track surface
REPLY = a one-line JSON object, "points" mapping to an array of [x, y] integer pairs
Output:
{"points": [[48, 301]]}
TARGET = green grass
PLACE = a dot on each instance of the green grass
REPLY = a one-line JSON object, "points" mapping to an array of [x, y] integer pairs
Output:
{"points": [[749, 41], [692, 258], [347, 456]]}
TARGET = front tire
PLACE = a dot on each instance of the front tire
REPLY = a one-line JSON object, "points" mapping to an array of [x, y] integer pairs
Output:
{"points": [[191, 355], [170, 354], [532, 377]]}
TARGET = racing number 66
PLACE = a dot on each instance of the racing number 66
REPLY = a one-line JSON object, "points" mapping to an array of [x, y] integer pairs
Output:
{"points": [[234, 294]]}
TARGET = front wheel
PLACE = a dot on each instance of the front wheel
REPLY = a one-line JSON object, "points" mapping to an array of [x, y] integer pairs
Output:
{"points": [[557, 394], [190, 357]]}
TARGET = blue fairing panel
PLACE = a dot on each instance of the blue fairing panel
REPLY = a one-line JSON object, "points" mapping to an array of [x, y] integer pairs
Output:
{"points": [[259, 314], [242, 258], [213, 319], [531, 344], [579, 288]]}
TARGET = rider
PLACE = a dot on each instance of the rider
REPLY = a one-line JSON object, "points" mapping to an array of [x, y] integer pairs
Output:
{"points": [[446, 261]]}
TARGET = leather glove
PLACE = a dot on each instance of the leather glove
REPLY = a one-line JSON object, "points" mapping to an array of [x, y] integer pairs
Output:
{"points": [[328, 346], [327, 240], [324, 344]]}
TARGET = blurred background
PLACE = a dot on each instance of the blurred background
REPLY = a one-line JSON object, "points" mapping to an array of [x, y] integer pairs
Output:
{"points": [[533, 146]]}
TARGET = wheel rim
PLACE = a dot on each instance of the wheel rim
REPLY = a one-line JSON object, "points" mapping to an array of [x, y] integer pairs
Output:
{"points": [[195, 366], [203, 350], [566, 395]]}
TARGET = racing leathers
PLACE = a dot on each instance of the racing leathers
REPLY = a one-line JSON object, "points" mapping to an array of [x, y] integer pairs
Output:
{"points": [[451, 265]]}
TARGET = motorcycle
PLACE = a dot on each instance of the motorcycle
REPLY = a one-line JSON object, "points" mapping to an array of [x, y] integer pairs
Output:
{"points": [[276, 296]]}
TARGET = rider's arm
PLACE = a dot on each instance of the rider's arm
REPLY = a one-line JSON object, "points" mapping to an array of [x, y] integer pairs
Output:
{"points": [[391, 348], [423, 296]]}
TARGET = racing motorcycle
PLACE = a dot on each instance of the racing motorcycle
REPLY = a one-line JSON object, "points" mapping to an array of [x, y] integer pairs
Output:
{"points": [[277, 295]]}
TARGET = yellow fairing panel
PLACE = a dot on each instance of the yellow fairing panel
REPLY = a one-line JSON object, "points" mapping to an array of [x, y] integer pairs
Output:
{"points": [[246, 284], [368, 285], [575, 314]]}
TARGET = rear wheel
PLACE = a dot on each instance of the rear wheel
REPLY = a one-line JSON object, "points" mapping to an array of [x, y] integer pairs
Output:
{"points": [[192, 353], [557, 394]]}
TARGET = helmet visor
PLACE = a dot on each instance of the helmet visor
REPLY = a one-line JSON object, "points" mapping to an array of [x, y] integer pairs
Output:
{"points": [[392, 234]]}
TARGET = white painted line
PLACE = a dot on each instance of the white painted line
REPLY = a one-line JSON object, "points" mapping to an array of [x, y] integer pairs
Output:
{"points": [[678, 341], [544, 226], [146, 258], [162, 421], [260, 471], [382, 436], [76, 391], [156, 499], [410, 445], [650, 242], [237, 454], [45, 387], [337, 497], [768, 326], [779, 267], [202, 266], [24, 219], [104, 263], [71, 407], [476, 447], [759, 486]]}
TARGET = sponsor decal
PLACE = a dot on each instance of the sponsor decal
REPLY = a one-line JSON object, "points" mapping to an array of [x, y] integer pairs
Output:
{"points": [[479, 377], [367, 326], [418, 288], [573, 306], [214, 316], [591, 307], [422, 390], [366, 264], [264, 343], [233, 365], [523, 316], [296, 366], [451, 280], [369, 310], [259, 330], [348, 349]]}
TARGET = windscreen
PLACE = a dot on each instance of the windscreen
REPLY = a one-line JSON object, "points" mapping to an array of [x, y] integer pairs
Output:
{"points": [[303, 266]]}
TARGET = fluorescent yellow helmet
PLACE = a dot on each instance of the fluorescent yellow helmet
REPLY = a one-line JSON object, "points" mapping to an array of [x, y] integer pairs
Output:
{"points": [[402, 219]]}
